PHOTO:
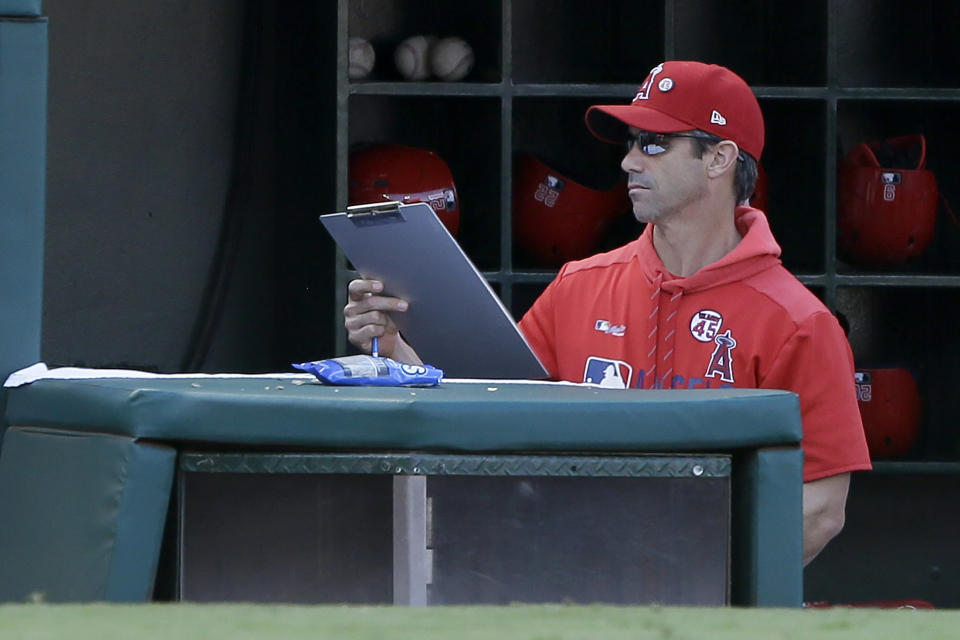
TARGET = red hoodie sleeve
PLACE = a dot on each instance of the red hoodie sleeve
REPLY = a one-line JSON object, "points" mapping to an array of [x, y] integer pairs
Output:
{"points": [[816, 363], [538, 326]]}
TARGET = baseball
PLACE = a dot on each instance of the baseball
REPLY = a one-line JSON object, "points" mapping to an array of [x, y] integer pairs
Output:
{"points": [[362, 58], [412, 57], [451, 59]]}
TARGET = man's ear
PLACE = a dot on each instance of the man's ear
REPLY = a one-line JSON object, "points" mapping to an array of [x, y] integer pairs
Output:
{"points": [[723, 159]]}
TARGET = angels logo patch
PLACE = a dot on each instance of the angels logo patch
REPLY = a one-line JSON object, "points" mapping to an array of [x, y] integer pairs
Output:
{"points": [[721, 362], [615, 374], [643, 93], [705, 325]]}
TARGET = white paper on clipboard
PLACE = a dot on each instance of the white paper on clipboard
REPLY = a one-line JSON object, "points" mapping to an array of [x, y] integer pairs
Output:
{"points": [[455, 320]]}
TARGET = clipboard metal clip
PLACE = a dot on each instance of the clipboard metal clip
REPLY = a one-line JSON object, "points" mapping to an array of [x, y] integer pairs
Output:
{"points": [[386, 212]]}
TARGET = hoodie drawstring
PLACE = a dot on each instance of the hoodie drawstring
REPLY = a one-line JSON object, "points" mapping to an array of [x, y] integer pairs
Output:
{"points": [[650, 375], [661, 334], [669, 333]]}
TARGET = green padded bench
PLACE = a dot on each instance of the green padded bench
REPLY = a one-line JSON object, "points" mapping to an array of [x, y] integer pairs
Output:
{"points": [[280, 489]]}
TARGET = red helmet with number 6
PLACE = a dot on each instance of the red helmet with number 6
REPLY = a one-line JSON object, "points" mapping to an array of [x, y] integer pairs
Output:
{"points": [[405, 174], [886, 202], [891, 410], [556, 219]]}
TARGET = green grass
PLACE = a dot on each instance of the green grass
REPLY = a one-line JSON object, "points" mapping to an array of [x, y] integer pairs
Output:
{"points": [[546, 622]]}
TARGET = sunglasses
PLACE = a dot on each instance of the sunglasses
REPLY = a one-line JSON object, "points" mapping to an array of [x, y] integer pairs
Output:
{"points": [[653, 144]]}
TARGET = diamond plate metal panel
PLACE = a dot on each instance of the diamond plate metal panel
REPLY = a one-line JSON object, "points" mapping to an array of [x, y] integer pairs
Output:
{"points": [[610, 466]]}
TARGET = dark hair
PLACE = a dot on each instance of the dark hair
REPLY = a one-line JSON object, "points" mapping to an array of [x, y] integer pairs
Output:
{"points": [[745, 177]]}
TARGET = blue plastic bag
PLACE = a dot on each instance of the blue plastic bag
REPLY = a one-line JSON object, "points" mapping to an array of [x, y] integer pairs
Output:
{"points": [[372, 371]]}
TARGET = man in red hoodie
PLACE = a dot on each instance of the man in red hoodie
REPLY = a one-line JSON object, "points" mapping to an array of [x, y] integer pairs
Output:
{"points": [[700, 299]]}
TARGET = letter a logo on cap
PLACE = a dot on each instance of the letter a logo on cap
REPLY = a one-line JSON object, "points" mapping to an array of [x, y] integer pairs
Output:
{"points": [[716, 118], [643, 93]]}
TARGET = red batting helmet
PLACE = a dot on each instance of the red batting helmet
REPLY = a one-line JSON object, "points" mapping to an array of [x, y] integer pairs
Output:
{"points": [[556, 219], [891, 410], [405, 174], [886, 202]]}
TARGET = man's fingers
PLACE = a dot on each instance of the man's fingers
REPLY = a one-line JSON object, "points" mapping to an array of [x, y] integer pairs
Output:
{"points": [[359, 322], [359, 289], [363, 336], [367, 315], [368, 303], [374, 304]]}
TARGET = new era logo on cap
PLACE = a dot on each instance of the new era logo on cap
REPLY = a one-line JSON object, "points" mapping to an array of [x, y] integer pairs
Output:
{"points": [[716, 118]]}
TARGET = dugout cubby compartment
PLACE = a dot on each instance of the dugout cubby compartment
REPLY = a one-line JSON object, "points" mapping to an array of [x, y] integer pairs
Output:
{"points": [[897, 44], [793, 162], [766, 43], [898, 543], [912, 328], [552, 130], [570, 41], [386, 23], [458, 130], [868, 121], [525, 294], [878, 317]]}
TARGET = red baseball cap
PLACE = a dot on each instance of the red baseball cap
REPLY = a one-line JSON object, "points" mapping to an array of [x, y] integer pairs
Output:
{"points": [[683, 95]]}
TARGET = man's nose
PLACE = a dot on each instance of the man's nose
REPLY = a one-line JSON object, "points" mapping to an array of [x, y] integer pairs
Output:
{"points": [[632, 161]]}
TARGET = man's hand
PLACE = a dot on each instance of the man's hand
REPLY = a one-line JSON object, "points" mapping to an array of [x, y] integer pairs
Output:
{"points": [[367, 315]]}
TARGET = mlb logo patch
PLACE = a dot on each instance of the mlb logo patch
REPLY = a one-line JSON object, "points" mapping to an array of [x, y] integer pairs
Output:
{"points": [[615, 374], [605, 326]]}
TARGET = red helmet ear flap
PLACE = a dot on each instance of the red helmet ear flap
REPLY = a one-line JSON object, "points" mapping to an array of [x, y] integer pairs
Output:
{"points": [[886, 202], [404, 174], [904, 152], [922, 141], [861, 156], [555, 218]]}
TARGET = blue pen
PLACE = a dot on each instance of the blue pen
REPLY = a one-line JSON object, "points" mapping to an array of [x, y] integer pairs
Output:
{"points": [[375, 347]]}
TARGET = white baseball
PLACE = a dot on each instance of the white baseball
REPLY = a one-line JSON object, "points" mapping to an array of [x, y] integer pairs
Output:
{"points": [[362, 58], [451, 58], [412, 57]]}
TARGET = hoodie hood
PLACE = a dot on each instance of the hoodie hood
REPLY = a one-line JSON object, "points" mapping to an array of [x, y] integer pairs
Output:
{"points": [[756, 252]]}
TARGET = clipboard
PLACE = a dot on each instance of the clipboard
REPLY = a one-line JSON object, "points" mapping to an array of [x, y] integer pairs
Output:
{"points": [[455, 321]]}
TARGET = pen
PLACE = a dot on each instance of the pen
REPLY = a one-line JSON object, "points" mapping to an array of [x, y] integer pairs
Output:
{"points": [[375, 347]]}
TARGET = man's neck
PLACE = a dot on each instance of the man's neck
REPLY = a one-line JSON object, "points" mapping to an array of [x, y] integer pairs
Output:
{"points": [[690, 241]]}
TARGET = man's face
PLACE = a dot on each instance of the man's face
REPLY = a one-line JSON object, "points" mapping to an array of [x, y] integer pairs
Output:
{"points": [[664, 176]]}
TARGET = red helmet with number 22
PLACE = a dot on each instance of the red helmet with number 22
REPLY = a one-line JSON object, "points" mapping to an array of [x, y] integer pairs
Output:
{"points": [[555, 218], [405, 174]]}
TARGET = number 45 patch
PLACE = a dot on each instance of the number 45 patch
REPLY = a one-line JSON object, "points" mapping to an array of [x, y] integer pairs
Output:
{"points": [[705, 325]]}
